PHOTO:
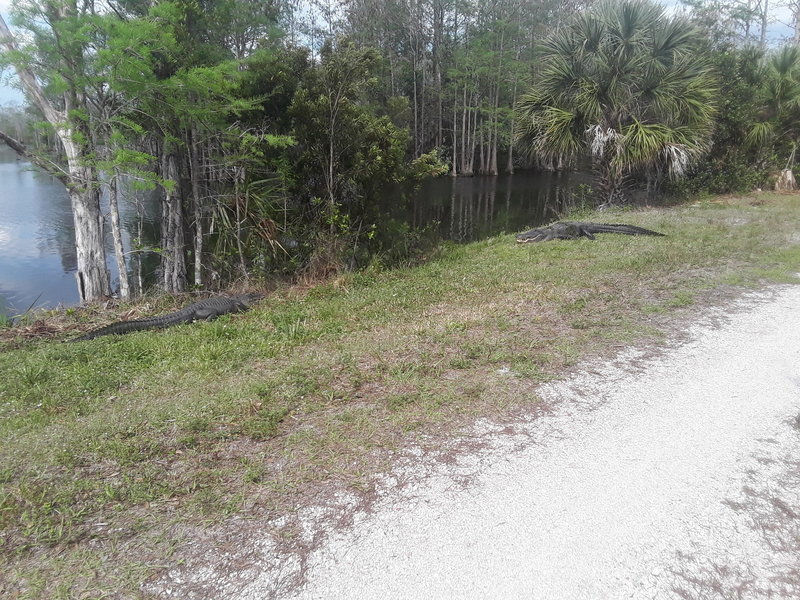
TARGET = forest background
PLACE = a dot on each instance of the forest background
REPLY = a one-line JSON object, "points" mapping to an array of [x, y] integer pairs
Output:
{"points": [[269, 129]]}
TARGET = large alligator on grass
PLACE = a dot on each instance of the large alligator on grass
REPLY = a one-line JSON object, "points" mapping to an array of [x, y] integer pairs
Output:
{"points": [[204, 310], [572, 230]]}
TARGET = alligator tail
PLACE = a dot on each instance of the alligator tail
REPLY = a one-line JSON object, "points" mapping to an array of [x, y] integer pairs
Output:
{"points": [[618, 228], [121, 327]]}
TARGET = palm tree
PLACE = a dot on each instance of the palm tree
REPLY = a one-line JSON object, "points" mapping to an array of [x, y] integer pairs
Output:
{"points": [[625, 83], [777, 131]]}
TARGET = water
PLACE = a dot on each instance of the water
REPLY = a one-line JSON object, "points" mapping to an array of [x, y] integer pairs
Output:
{"points": [[37, 252], [465, 209], [37, 238], [37, 247]]}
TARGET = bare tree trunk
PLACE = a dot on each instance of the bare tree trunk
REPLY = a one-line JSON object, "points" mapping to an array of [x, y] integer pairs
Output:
{"points": [[92, 274], [464, 132], [137, 255], [391, 74], [494, 132], [454, 171], [423, 129], [116, 234], [794, 7], [471, 145], [239, 179], [416, 102], [493, 135], [438, 32], [484, 158], [510, 163], [763, 40], [172, 260], [330, 174], [197, 206]]}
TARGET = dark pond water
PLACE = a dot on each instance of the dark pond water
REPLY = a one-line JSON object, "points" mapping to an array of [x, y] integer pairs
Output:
{"points": [[37, 238], [37, 253], [465, 209]]}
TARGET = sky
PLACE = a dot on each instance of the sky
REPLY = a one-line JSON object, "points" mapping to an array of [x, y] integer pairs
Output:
{"points": [[8, 95]]}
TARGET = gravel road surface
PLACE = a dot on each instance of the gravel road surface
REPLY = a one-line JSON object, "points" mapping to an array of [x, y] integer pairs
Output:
{"points": [[673, 474]]}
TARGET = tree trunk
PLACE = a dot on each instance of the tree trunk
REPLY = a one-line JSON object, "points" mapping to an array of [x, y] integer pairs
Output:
{"points": [[423, 128], [116, 234], [438, 32], [416, 103], [510, 163], [239, 179], [137, 254], [92, 274], [796, 23], [470, 170], [484, 158], [464, 131], [454, 171], [330, 172], [172, 261], [493, 141], [197, 207]]}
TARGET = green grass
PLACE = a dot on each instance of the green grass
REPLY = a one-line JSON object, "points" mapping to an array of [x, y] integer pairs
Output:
{"points": [[189, 425]]}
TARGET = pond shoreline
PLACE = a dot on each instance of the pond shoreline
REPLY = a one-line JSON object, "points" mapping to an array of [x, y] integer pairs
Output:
{"points": [[37, 253]]}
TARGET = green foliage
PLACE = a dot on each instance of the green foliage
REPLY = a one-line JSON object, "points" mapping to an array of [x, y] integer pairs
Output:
{"points": [[626, 84], [731, 172], [776, 129], [428, 165], [348, 153]]}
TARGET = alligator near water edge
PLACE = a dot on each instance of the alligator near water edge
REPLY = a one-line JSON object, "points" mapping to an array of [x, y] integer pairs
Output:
{"points": [[572, 230], [203, 310]]}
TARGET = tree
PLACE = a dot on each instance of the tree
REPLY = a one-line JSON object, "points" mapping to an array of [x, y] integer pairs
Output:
{"points": [[62, 49], [778, 128], [624, 83], [346, 146]]}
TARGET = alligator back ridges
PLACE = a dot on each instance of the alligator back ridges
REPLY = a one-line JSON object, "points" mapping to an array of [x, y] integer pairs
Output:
{"points": [[572, 230], [205, 310]]}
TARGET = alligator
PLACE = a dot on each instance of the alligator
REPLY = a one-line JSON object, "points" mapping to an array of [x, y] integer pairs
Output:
{"points": [[572, 230], [204, 310]]}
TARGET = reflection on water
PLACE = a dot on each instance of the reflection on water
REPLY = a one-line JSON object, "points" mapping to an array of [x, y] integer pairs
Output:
{"points": [[37, 238], [470, 208], [37, 248], [37, 251]]}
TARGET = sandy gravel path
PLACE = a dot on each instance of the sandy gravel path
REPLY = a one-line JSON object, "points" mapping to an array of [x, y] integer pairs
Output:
{"points": [[675, 475]]}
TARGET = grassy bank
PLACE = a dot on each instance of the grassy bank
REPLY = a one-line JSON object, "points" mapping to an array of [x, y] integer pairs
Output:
{"points": [[110, 445]]}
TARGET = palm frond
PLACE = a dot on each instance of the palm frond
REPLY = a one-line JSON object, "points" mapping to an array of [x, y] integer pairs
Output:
{"points": [[760, 135], [624, 82]]}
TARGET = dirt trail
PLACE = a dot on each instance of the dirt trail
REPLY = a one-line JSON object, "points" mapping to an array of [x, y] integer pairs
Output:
{"points": [[675, 475]]}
